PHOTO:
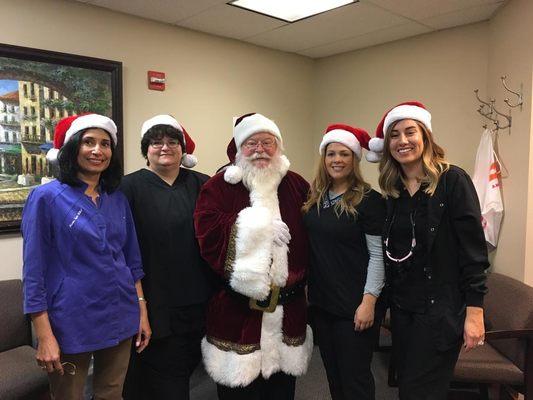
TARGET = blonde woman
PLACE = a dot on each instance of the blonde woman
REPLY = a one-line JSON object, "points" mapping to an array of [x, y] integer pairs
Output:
{"points": [[344, 219], [435, 254]]}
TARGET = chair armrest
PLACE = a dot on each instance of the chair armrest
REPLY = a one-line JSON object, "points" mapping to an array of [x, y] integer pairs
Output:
{"points": [[509, 334]]}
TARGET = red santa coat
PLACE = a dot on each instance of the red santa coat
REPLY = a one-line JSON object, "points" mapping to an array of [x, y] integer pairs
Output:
{"points": [[234, 231]]}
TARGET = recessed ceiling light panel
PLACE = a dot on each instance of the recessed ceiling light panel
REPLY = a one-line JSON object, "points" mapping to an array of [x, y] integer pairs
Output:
{"points": [[290, 10]]}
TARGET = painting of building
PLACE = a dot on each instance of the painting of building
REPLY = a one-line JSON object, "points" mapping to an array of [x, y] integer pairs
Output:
{"points": [[34, 96]]}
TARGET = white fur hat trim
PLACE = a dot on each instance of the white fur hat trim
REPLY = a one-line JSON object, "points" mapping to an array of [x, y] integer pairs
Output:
{"points": [[253, 124], [92, 121], [407, 112], [162, 119], [343, 137]]}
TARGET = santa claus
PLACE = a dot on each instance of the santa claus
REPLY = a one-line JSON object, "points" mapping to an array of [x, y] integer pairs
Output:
{"points": [[249, 226]]}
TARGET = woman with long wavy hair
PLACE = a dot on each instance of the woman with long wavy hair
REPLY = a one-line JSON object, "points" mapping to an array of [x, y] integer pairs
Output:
{"points": [[344, 219], [435, 253]]}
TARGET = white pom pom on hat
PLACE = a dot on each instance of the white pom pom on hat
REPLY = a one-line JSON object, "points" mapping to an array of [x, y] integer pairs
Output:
{"points": [[188, 159]]}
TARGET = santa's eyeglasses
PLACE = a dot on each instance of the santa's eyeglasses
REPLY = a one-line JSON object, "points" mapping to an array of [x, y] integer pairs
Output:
{"points": [[266, 144]]}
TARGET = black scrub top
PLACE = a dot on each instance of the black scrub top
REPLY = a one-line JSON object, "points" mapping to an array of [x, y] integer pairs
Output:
{"points": [[176, 275], [339, 253]]}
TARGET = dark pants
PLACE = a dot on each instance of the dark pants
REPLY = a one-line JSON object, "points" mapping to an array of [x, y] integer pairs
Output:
{"points": [[424, 372], [279, 386], [347, 355], [163, 369]]}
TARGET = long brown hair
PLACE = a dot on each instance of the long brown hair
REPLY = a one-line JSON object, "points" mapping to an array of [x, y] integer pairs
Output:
{"points": [[357, 188], [434, 164]]}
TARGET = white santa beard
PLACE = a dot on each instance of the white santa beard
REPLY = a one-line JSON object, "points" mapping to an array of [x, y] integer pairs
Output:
{"points": [[260, 179]]}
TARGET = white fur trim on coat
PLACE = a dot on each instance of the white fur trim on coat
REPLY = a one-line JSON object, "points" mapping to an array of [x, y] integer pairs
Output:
{"points": [[253, 249], [231, 369], [277, 356]]}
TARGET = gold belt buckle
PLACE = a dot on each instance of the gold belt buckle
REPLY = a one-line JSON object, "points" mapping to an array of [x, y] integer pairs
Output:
{"points": [[269, 304]]}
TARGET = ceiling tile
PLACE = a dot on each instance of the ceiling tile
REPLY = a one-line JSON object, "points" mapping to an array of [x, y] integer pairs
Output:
{"points": [[366, 40], [169, 11], [341, 23], [423, 9], [229, 21], [463, 17]]}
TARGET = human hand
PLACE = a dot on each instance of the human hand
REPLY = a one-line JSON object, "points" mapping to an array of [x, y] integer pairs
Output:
{"points": [[49, 355], [281, 232], [364, 314], [474, 329], [145, 332]]}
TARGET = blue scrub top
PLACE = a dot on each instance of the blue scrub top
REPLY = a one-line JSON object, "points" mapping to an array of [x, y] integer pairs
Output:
{"points": [[81, 262]]}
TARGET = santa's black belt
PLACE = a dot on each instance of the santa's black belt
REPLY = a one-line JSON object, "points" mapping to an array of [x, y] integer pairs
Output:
{"points": [[276, 296]]}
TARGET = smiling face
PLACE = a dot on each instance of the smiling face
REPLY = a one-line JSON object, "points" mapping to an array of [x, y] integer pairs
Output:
{"points": [[95, 151], [338, 160], [164, 153], [406, 143], [260, 148]]}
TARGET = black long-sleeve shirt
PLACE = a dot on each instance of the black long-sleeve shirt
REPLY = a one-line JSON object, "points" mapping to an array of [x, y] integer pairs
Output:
{"points": [[176, 275]]}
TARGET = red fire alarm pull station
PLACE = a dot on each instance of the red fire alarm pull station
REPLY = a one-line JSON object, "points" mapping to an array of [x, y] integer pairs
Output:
{"points": [[156, 80]]}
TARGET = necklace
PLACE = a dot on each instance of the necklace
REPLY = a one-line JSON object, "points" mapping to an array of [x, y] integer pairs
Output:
{"points": [[329, 201]]}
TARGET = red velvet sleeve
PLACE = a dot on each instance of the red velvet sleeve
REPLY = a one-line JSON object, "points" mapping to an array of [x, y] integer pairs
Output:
{"points": [[214, 217]]}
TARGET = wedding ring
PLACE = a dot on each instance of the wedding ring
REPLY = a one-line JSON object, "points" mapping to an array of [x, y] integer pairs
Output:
{"points": [[480, 343]]}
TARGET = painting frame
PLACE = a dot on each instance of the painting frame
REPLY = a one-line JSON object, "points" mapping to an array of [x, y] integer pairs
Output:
{"points": [[58, 59]]}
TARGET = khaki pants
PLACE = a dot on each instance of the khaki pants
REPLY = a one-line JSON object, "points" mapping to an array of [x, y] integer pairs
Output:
{"points": [[110, 366]]}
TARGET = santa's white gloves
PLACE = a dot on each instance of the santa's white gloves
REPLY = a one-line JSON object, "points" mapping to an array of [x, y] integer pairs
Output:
{"points": [[281, 232]]}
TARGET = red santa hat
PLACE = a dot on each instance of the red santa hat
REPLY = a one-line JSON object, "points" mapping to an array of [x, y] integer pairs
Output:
{"points": [[188, 159], [244, 127], [407, 110], [67, 127], [250, 124], [353, 138]]}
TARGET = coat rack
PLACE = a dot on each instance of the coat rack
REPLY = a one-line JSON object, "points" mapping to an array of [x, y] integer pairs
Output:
{"points": [[488, 109]]}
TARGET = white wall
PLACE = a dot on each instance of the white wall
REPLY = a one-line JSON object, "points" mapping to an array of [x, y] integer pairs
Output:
{"points": [[440, 69], [209, 80], [511, 54]]}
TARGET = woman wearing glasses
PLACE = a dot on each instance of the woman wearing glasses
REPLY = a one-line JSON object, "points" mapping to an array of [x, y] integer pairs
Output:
{"points": [[162, 197], [82, 266], [344, 219], [435, 252]]}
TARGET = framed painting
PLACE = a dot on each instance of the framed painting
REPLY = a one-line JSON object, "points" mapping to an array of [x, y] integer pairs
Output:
{"points": [[37, 89]]}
